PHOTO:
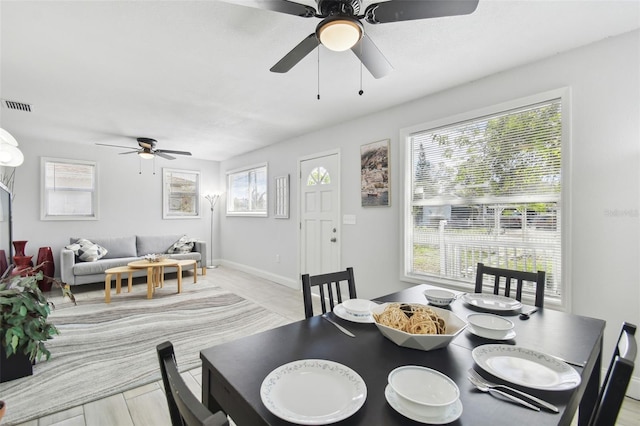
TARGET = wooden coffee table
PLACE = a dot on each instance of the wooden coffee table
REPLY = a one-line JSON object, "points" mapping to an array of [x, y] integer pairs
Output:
{"points": [[118, 271], [155, 276]]}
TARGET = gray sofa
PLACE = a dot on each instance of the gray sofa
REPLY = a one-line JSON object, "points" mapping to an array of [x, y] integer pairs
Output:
{"points": [[121, 251]]}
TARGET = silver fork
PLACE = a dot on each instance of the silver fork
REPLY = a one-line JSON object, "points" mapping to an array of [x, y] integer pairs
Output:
{"points": [[491, 385], [482, 387]]}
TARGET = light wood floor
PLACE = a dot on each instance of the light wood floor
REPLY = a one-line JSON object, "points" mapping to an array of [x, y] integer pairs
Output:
{"points": [[146, 406]]}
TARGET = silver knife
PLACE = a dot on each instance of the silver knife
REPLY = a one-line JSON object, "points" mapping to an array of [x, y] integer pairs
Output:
{"points": [[341, 328]]}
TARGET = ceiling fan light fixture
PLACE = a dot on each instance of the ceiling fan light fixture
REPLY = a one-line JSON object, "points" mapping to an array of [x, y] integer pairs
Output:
{"points": [[145, 155], [339, 33]]}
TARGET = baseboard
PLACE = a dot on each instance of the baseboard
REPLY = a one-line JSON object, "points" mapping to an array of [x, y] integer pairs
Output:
{"points": [[633, 390], [295, 284]]}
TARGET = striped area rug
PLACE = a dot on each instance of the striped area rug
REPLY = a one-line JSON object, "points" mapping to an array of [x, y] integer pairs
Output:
{"points": [[104, 349]]}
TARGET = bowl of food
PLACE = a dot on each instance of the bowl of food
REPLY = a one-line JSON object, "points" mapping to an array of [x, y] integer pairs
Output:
{"points": [[490, 326], [430, 390], [439, 297], [417, 326]]}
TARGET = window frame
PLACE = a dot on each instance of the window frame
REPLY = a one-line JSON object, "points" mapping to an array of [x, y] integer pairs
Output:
{"points": [[95, 205], [167, 212], [231, 174], [564, 94]]}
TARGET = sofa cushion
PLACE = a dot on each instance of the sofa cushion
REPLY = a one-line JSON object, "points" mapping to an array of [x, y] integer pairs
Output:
{"points": [[117, 246], [92, 268], [87, 251], [155, 244], [183, 245]]}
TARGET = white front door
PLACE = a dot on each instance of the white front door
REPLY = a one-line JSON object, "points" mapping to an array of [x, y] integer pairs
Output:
{"points": [[320, 214]]}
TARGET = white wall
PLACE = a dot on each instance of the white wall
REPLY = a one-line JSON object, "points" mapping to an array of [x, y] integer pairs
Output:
{"points": [[603, 181], [130, 203]]}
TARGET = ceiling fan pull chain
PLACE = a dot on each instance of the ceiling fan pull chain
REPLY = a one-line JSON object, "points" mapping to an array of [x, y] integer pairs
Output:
{"points": [[360, 92], [318, 72], [139, 165]]}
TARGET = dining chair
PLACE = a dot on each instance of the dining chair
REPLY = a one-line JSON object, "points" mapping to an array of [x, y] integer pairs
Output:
{"points": [[185, 409], [617, 379], [329, 287], [520, 277]]}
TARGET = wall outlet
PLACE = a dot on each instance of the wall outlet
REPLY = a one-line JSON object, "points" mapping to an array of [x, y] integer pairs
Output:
{"points": [[277, 258]]}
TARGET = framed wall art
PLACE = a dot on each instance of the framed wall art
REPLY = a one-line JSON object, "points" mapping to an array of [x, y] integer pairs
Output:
{"points": [[375, 188], [180, 194], [282, 197]]}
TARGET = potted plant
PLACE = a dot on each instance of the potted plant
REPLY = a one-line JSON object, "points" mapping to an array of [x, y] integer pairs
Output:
{"points": [[23, 321]]}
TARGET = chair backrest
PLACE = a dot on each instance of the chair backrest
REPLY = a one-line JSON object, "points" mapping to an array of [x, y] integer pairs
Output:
{"points": [[520, 277], [185, 409], [617, 379], [329, 288]]}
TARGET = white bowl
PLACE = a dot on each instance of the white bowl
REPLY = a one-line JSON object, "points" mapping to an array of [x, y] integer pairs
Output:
{"points": [[358, 307], [425, 387], [439, 297], [490, 325], [424, 342]]}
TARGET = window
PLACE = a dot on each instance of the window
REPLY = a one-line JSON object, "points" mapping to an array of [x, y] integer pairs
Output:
{"points": [[180, 194], [247, 191], [320, 176], [69, 190], [486, 188]]}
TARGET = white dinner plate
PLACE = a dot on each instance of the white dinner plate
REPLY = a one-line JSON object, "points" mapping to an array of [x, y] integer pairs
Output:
{"points": [[526, 367], [313, 392], [412, 412], [491, 302], [508, 335], [341, 312]]}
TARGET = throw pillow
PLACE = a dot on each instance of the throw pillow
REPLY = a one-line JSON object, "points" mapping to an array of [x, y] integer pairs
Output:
{"points": [[87, 251], [183, 245]]}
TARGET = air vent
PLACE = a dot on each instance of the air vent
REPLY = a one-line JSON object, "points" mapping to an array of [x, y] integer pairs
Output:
{"points": [[18, 106]]}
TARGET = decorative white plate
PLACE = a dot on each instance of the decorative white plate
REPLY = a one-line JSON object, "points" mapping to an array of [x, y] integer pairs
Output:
{"points": [[313, 392], [341, 312], [508, 335], [526, 367], [491, 302], [414, 413]]}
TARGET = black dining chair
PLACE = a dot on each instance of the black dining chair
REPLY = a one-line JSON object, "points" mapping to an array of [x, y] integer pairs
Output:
{"points": [[537, 278], [329, 287], [185, 409], [617, 379]]}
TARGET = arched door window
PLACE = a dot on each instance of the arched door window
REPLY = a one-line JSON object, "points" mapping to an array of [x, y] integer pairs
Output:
{"points": [[318, 176]]}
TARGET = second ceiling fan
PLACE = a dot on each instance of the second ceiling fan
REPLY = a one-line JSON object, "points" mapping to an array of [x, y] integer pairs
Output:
{"points": [[341, 27]]}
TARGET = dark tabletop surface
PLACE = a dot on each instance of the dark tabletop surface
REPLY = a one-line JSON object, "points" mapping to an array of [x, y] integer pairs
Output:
{"points": [[236, 369]]}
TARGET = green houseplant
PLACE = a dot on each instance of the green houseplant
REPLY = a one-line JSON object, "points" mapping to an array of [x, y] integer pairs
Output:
{"points": [[24, 310]]}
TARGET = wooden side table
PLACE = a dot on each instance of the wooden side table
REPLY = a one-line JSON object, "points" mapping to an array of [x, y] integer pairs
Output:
{"points": [[155, 274], [118, 271]]}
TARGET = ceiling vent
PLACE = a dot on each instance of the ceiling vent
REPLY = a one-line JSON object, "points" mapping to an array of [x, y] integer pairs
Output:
{"points": [[18, 106]]}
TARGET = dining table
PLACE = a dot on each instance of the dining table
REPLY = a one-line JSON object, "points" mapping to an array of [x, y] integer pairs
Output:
{"points": [[233, 372]]}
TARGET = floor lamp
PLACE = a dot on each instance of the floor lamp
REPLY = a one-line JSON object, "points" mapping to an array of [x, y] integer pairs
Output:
{"points": [[212, 199]]}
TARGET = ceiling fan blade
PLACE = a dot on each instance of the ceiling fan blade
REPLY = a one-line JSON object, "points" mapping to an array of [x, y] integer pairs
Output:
{"points": [[117, 146], [407, 10], [129, 152], [282, 6], [169, 151], [163, 155], [371, 57], [303, 48]]}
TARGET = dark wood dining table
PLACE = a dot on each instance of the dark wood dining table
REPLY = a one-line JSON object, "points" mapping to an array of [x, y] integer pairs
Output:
{"points": [[232, 373]]}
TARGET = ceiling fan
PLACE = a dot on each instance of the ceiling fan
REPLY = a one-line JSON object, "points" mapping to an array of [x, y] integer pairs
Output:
{"points": [[148, 149], [341, 26]]}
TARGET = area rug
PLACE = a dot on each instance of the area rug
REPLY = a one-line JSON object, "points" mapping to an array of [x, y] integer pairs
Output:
{"points": [[104, 349]]}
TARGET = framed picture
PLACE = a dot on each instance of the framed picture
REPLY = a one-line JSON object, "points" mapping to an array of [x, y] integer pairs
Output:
{"points": [[375, 188], [282, 197], [180, 194], [247, 191]]}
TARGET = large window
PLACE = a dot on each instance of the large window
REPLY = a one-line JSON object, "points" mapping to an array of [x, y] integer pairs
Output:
{"points": [[69, 190], [486, 189], [247, 191]]}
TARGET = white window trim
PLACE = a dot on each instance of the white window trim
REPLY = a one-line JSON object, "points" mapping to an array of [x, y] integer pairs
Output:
{"points": [[564, 94], [166, 194], [230, 212], [95, 198]]}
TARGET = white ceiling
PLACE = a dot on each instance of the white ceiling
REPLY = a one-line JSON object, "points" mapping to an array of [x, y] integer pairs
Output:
{"points": [[195, 74]]}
